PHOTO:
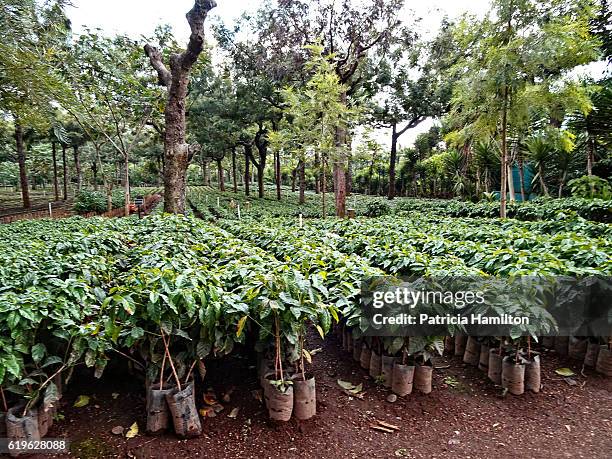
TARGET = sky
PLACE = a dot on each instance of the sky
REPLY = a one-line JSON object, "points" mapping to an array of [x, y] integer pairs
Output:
{"points": [[138, 18]]}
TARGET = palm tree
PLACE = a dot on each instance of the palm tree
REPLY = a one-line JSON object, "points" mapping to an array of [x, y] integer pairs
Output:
{"points": [[539, 150], [595, 128], [486, 158]]}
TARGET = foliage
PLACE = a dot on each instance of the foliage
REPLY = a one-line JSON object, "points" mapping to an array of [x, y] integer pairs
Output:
{"points": [[591, 187]]}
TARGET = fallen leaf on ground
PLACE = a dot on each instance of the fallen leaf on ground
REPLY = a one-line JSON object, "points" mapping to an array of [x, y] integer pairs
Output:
{"points": [[356, 389], [381, 428], [358, 395], [117, 430], [386, 424], [233, 413], [206, 412], [210, 399], [346, 385], [133, 431], [316, 351], [564, 372], [115, 395], [82, 401]]}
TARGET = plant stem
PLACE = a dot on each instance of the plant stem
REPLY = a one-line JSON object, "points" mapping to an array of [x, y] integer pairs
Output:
{"points": [[529, 347], [190, 370], [3, 399], [161, 373], [516, 355], [49, 379], [178, 381], [130, 358], [302, 353], [278, 349]]}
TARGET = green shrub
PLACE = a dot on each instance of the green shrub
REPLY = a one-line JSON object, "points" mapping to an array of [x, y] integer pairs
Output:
{"points": [[377, 208], [96, 201], [590, 187]]}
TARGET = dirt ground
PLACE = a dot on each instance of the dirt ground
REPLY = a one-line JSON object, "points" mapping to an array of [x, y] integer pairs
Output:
{"points": [[465, 416]]}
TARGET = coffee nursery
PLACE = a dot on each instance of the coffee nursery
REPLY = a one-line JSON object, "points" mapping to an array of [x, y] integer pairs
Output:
{"points": [[196, 216], [168, 294]]}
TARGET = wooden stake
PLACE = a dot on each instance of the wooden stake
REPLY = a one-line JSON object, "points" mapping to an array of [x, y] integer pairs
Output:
{"points": [[178, 381]]}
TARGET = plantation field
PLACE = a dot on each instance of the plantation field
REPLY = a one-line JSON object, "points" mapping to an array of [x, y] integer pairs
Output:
{"points": [[94, 298], [10, 200]]}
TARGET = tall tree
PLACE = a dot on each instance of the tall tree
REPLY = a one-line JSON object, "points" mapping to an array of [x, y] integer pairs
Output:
{"points": [[349, 30], [177, 153], [522, 49], [29, 82]]}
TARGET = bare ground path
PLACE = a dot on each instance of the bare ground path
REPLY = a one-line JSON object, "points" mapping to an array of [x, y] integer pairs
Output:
{"points": [[465, 416]]}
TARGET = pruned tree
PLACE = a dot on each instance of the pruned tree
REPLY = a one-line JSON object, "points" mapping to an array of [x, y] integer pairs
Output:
{"points": [[177, 152]]}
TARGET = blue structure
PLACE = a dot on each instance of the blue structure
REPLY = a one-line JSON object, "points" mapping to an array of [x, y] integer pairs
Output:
{"points": [[528, 175]]}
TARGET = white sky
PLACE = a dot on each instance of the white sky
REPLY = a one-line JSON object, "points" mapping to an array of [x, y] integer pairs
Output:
{"points": [[140, 17]]}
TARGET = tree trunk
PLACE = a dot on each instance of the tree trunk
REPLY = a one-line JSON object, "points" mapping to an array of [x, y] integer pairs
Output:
{"points": [[590, 155], [23, 172], [317, 166], [370, 174], [220, 177], [562, 182], [542, 183], [339, 166], [349, 170], [234, 171], [126, 184], [55, 183], [277, 169], [392, 161], [260, 181], [511, 183], [94, 171], [293, 179], [504, 159], [261, 143], [247, 169], [302, 175], [77, 167], [108, 184], [65, 165], [323, 185], [177, 153], [521, 170]]}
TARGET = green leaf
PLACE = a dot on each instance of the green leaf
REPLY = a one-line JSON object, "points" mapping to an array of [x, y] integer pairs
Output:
{"points": [[38, 352], [51, 395], [241, 324], [81, 401], [564, 372]]}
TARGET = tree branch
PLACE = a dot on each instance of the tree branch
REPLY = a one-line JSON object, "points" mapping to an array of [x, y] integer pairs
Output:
{"points": [[195, 18], [164, 77]]}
